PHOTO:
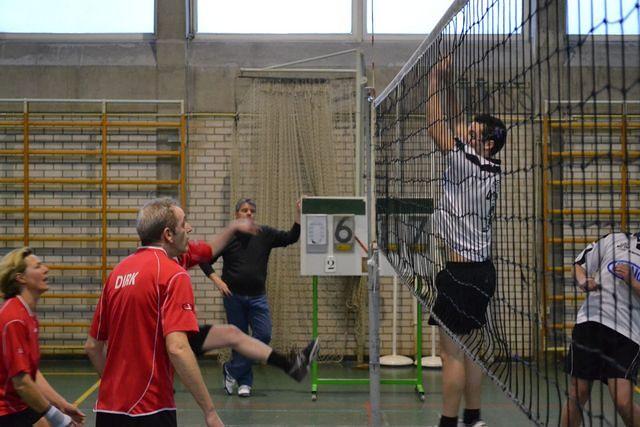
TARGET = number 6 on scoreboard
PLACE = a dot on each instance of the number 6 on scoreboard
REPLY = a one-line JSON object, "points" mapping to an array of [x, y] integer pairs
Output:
{"points": [[343, 233]]}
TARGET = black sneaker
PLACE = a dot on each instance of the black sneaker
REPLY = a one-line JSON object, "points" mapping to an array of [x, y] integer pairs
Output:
{"points": [[302, 361]]}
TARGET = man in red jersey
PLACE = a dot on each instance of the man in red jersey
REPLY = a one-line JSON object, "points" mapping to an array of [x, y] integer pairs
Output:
{"points": [[139, 330]]}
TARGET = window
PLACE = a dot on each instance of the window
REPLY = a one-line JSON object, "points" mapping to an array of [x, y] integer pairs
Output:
{"points": [[274, 16], [77, 16], [421, 17], [488, 17], [404, 16], [600, 17]]}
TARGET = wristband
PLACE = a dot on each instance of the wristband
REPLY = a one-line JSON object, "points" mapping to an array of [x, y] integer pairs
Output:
{"points": [[207, 269], [57, 418]]}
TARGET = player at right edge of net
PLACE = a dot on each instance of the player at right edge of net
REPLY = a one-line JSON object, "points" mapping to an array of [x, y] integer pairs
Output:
{"points": [[463, 219], [605, 341]]}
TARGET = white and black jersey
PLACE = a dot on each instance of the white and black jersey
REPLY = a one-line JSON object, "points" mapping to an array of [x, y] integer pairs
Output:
{"points": [[615, 304], [466, 209]]}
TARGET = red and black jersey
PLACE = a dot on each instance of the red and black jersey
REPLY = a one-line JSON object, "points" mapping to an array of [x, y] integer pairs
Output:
{"points": [[147, 296], [198, 252]]}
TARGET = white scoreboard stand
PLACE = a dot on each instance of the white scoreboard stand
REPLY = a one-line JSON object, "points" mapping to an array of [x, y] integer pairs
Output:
{"points": [[334, 243], [334, 238]]}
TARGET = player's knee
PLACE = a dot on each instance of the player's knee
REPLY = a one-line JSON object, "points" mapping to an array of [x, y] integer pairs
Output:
{"points": [[579, 391], [452, 354], [446, 357], [234, 335], [452, 360]]}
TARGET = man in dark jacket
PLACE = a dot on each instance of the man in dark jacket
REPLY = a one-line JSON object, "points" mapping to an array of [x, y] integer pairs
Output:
{"points": [[243, 285]]}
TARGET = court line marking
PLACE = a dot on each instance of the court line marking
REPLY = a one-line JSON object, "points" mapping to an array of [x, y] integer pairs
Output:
{"points": [[86, 394]]}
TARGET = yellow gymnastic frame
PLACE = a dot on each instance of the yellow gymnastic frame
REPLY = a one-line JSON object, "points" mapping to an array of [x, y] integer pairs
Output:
{"points": [[104, 121]]}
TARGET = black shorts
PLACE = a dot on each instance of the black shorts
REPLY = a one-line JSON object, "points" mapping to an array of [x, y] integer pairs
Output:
{"points": [[159, 419], [196, 339], [599, 353], [25, 418], [464, 292]]}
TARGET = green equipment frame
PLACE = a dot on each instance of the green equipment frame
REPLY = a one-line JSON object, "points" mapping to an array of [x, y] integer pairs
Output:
{"points": [[316, 380]]}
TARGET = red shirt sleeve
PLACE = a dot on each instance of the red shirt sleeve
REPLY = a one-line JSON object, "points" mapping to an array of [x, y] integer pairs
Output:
{"points": [[16, 347], [178, 310], [198, 252], [99, 326]]}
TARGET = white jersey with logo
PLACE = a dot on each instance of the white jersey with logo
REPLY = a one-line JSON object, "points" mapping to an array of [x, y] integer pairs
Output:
{"points": [[615, 304], [463, 217]]}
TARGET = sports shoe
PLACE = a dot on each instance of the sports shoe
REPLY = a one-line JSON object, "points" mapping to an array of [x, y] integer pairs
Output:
{"points": [[244, 390], [478, 423], [228, 382], [302, 360]]}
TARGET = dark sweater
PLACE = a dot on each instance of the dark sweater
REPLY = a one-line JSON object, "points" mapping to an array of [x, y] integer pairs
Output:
{"points": [[245, 259]]}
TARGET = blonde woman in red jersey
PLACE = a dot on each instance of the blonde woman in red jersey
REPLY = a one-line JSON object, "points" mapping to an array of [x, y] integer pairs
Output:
{"points": [[25, 395]]}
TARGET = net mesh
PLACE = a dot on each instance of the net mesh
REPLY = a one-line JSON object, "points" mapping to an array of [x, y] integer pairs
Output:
{"points": [[293, 138], [563, 76]]}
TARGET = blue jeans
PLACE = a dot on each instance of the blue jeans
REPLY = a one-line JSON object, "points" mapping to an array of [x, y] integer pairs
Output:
{"points": [[244, 312]]}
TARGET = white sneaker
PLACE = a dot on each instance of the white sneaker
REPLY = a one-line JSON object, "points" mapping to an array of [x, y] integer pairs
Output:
{"points": [[244, 391], [478, 423], [228, 382]]}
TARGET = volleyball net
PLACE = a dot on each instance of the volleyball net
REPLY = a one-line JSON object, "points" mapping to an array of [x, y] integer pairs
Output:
{"points": [[563, 76]]}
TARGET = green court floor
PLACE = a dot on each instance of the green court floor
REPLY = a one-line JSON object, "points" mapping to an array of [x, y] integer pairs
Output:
{"points": [[279, 401]]}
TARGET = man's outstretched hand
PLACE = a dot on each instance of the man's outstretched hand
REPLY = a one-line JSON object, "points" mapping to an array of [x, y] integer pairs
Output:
{"points": [[244, 225]]}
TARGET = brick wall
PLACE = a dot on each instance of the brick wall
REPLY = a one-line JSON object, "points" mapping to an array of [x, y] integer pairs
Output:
{"points": [[209, 149]]}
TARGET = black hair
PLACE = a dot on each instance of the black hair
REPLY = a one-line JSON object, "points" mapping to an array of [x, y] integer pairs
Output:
{"points": [[493, 130]]}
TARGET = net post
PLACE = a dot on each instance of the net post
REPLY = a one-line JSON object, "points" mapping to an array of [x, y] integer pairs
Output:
{"points": [[360, 81], [419, 341], [374, 339], [373, 273], [314, 364]]}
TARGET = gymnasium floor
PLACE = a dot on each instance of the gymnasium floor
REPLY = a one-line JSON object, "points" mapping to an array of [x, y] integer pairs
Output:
{"points": [[279, 401]]}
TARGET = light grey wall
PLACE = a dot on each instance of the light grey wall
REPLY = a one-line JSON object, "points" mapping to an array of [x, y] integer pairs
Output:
{"points": [[166, 66], [203, 71]]}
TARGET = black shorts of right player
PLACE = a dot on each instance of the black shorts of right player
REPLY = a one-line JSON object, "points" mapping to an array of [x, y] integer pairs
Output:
{"points": [[599, 353], [159, 419], [25, 418], [464, 292]]}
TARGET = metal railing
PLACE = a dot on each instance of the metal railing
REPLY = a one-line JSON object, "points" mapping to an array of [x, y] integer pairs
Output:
{"points": [[58, 115]]}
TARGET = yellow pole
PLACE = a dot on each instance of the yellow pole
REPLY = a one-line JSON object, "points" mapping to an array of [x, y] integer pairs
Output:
{"points": [[25, 172], [624, 177], [104, 192], [545, 225], [590, 154], [183, 144], [595, 211]]}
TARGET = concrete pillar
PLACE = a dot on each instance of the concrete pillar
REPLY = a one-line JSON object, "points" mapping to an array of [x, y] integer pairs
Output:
{"points": [[170, 49]]}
